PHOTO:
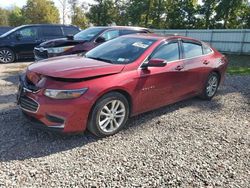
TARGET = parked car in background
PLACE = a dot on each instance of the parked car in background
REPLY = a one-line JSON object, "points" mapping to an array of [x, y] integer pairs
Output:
{"points": [[20, 42], [4, 29], [83, 41], [126, 76]]}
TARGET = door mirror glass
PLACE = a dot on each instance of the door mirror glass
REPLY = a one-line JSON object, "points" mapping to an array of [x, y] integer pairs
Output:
{"points": [[100, 40], [155, 63]]}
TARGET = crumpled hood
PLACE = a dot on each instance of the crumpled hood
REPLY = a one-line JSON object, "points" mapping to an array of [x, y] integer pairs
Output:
{"points": [[74, 67], [60, 42]]}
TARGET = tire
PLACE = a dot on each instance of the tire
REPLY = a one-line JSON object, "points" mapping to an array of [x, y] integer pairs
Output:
{"points": [[109, 115], [6, 55], [211, 86]]}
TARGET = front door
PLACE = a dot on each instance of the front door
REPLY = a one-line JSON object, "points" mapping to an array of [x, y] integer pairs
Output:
{"points": [[159, 86], [26, 40]]}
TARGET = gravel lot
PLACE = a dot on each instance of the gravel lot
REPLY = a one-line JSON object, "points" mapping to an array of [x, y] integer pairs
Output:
{"points": [[193, 143]]}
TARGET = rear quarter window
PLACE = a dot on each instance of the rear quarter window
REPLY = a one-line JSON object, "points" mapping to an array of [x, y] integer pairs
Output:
{"points": [[70, 30], [206, 49]]}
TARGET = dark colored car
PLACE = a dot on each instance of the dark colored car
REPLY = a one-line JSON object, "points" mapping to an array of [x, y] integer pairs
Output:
{"points": [[20, 42], [4, 29], [83, 41], [121, 78]]}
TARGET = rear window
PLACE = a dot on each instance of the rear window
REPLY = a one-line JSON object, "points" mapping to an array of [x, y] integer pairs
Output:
{"points": [[51, 31], [70, 30], [191, 50]]}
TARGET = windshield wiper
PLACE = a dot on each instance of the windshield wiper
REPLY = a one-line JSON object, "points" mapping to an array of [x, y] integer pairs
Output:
{"points": [[100, 59]]}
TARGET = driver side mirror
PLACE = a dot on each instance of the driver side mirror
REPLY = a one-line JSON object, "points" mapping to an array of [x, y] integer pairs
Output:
{"points": [[18, 36], [155, 63], [100, 40]]}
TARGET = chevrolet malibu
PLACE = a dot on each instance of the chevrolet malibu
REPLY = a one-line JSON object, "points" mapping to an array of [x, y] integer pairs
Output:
{"points": [[118, 79]]}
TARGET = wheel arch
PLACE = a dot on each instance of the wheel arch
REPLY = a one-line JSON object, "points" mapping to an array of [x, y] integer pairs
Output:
{"points": [[125, 93]]}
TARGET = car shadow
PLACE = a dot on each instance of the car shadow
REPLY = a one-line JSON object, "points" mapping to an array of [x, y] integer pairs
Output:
{"points": [[20, 141]]}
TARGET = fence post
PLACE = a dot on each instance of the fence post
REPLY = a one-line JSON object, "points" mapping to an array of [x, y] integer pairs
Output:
{"points": [[211, 37], [242, 40]]}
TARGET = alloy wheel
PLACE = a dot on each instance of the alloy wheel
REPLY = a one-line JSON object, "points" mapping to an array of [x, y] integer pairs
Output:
{"points": [[212, 85], [6, 56], [111, 116]]}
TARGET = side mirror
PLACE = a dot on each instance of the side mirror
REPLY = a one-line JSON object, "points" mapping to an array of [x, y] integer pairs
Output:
{"points": [[155, 63], [70, 37], [18, 36], [100, 40]]}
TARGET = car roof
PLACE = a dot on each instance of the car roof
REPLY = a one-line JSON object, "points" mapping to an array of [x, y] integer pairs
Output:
{"points": [[160, 37], [42, 25], [123, 27]]}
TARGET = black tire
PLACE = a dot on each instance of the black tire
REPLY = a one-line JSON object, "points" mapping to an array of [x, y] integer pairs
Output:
{"points": [[94, 121], [206, 95], [6, 55]]}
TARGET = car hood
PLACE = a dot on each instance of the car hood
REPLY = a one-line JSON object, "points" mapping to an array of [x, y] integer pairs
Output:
{"points": [[74, 67], [60, 42]]}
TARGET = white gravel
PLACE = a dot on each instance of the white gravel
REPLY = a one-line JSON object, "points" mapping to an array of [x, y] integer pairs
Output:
{"points": [[193, 143]]}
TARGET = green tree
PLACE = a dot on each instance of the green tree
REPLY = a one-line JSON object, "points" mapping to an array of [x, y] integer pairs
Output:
{"points": [[4, 17], [41, 11], [16, 17], [208, 9], [103, 12], [228, 12], [78, 16]]}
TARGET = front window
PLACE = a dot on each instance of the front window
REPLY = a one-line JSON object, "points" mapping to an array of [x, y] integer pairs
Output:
{"points": [[169, 52], [29, 33], [88, 34], [121, 50]]}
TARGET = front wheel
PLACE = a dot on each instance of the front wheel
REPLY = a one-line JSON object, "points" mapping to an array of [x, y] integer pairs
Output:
{"points": [[6, 55], [211, 86], [109, 115]]}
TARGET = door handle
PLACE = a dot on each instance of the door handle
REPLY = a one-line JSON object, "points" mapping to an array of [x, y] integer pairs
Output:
{"points": [[206, 62], [179, 67]]}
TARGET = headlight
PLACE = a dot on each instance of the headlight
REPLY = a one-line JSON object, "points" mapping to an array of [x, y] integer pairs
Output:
{"points": [[64, 94], [58, 50]]}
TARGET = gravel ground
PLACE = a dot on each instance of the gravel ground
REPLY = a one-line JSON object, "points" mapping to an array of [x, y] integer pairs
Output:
{"points": [[193, 143]]}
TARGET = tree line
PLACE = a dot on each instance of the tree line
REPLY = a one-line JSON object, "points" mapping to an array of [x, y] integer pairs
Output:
{"points": [[161, 14]]}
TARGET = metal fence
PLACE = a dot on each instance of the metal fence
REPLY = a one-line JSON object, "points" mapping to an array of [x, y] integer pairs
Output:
{"points": [[225, 40]]}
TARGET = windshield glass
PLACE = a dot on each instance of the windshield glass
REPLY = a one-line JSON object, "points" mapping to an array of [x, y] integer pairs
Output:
{"points": [[88, 34], [121, 50], [11, 31]]}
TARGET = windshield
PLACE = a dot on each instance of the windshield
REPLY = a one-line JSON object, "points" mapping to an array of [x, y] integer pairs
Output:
{"points": [[121, 50], [88, 34], [11, 31]]}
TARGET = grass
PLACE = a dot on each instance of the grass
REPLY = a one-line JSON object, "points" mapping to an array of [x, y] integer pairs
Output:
{"points": [[238, 70], [238, 64]]}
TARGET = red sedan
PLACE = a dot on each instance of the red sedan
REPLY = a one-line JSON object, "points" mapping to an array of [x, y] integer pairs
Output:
{"points": [[119, 79]]}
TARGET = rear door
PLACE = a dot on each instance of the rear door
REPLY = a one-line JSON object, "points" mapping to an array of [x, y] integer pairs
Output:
{"points": [[50, 32], [193, 65]]}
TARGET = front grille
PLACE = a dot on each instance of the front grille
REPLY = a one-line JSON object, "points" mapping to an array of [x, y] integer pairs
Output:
{"points": [[41, 54], [28, 104]]}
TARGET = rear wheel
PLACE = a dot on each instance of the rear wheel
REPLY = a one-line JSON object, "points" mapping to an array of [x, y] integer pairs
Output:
{"points": [[109, 115], [6, 55], [211, 86]]}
